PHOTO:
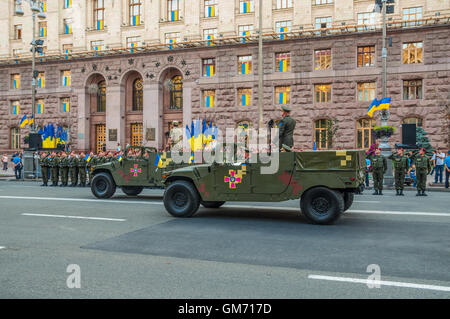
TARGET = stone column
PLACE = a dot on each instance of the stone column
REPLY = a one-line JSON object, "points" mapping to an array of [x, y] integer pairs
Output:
{"points": [[83, 119], [152, 114], [115, 115]]}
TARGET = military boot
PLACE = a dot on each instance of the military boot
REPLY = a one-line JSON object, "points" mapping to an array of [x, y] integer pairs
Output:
{"points": [[44, 184], [380, 192], [375, 193], [62, 185], [423, 193], [397, 192], [418, 193], [401, 193]]}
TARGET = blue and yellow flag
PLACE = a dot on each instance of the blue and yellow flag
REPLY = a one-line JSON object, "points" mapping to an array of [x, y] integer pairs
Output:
{"points": [[31, 120], [120, 158], [87, 158], [376, 105], [158, 161], [23, 121]]}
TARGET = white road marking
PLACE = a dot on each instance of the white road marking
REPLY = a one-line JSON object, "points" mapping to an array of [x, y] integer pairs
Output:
{"points": [[366, 201], [2, 247], [76, 217], [110, 201], [380, 282]]}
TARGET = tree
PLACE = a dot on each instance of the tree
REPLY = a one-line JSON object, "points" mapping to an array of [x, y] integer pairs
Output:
{"points": [[423, 141]]}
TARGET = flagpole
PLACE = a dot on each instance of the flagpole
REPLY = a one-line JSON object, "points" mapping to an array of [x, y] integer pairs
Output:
{"points": [[260, 68]]}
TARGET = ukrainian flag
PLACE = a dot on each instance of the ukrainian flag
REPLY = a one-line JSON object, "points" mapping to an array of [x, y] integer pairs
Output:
{"points": [[245, 99], [132, 44], [67, 54], [66, 80], [211, 12], [40, 108], [158, 161], [16, 83], [41, 82], [245, 33], [209, 102], [209, 37], [87, 158], [282, 98], [120, 158], [68, 28], [209, 70], [23, 121], [44, 6], [43, 32], [66, 107], [174, 15], [68, 4], [31, 120], [245, 67], [283, 65], [99, 24], [282, 30], [245, 7], [191, 158], [376, 105], [136, 20], [16, 108]]}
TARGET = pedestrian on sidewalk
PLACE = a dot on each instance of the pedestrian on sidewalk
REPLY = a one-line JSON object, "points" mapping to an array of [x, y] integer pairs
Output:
{"points": [[440, 156], [5, 162], [433, 163], [17, 166], [447, 168]]}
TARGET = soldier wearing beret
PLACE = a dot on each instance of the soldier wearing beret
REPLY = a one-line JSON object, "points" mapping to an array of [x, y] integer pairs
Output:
{"points": [[422, 165], [401, 167], [379, 167], [82, 163], [73, 169], [287, 126], [64, 169], [53, 163], [43, 162]]}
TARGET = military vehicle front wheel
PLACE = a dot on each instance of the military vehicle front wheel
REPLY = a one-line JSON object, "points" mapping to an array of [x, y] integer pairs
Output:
{"points": [[181, 199], [348, 200], [207, 204], [132, 190], [103, 186], [322, 205]]}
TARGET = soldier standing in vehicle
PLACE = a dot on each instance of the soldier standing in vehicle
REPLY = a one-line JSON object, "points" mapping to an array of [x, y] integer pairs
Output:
{"points": [[286, 127], [64, 169], [43, 162], [379, 167], [81, 163], [422, 165], [401, 167], [73, 169]]}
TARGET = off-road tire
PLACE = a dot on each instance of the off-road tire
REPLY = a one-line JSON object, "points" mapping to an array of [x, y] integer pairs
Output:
{"points": [[181, 199], [348, 200], [207, 204], [321, 205], [103, 185], [132, 190]]}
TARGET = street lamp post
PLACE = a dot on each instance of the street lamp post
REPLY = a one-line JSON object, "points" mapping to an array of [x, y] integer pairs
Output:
{"points": [[260, 68], [35, 9]]}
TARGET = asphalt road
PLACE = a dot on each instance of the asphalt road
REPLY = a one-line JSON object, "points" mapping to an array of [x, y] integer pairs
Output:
{"points": [[131, 248]]}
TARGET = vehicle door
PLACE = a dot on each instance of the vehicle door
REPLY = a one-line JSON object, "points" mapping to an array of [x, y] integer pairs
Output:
{"points": [[275, 183]]}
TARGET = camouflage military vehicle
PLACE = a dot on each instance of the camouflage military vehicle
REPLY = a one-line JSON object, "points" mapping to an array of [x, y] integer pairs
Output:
{"points": [[131, 174], [324, 181]]}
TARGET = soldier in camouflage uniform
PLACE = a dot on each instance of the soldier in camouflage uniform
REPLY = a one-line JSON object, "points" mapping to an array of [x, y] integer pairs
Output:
{"points": [[64, 169], [53, 163], [89, 166], [43, 162], [379, 167], [422, 165], [73, 169], [401, 167], [82, 163]]}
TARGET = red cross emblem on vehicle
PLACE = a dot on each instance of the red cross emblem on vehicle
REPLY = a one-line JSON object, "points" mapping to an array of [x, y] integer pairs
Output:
{"points": [[135, 170], [233, 179]]}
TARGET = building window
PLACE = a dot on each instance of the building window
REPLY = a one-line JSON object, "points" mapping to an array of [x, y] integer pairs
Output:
{"points": [[245, 31], [41, 80], [67, 4], [209, 34], [246, 6], [138, 89], [133, 42], [244, 97], [40, 106], [322, 136], [413, 120], [210, 8], [15, 107], [245, 64], [67, 26], [243, 133], [14, 138], [283, 27], [135, 9], [364, 129], [43, 29], [100, 137], [65, 78], [67, 50], [318, 2], [176, 93], [323, 23], [99, 14], [65, 104], [283, 94], [366, 56], [173, 10], [366, 91], [282, 62], [97, 45], [101, 96], [17, 6], [412, 14], [208, 98], [412, 52], [172, 37], [18, 32], [209, 67], [368, 20], [322, 59], [322, 93], [15, 81], [284, 4], [412, 89], [137, 134]]}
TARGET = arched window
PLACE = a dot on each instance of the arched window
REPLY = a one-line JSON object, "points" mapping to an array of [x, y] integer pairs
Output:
{"points": [[321, 133], [101, 97], [137, 95], [364, 129], [176, 93], [413, 120]]}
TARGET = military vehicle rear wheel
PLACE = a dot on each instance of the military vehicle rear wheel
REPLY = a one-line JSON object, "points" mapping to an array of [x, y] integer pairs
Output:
{"points": [[181, 199], [103, 185], [132, 190], [348, 200], [207, 204], [321, 205]]}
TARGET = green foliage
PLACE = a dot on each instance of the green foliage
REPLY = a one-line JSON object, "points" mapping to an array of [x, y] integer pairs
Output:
{"points": [[423, 141], [382, 131]]}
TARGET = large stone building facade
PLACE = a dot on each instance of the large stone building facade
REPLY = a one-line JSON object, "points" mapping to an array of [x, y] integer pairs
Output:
{"points": [[328, 77]]}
